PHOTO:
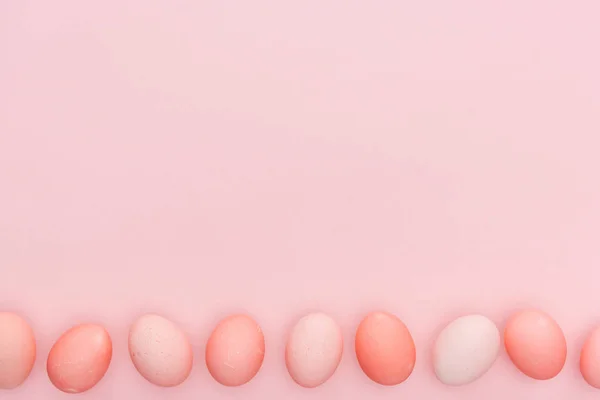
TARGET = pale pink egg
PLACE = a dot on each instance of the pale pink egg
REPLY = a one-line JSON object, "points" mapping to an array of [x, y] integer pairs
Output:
{"points": [[235, 350], [466, 349], [385, 348], [79, 358], [160, 351], [589, 362], [314, 350], [535, 344], [17, 350]]}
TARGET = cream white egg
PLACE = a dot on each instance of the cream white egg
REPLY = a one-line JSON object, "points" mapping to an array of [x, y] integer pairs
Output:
{"points": [[314, 350], [466, 349]]}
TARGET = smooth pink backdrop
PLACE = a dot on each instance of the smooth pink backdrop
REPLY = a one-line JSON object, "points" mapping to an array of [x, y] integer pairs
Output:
{"points": [[199, 158]]}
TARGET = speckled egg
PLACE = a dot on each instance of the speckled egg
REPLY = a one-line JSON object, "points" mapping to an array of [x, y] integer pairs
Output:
{"points": [[17, 350], [80, 358], [465, 349], [160, 350], [235, 350], [314, 350]]}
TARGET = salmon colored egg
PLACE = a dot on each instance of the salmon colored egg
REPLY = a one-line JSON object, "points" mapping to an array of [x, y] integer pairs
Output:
{"points": [[385, 348], [235, 350], [314, 350], [17, 350], [160, 350], [535, 344], [79, 358], [589, 362]]}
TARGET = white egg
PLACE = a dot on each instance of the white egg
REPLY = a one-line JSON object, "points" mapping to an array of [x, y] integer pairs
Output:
{"points": [[465, 350]]}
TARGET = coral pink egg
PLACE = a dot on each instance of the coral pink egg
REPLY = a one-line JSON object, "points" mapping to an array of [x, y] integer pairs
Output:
{"points": [[160, 351], [314, 350], [17, 350], [589, 363], [385, 349], [79, 358], [235, 350], [535, 344]]}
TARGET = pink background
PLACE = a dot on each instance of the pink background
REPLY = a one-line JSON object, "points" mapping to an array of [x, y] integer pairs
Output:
{"points": [[198, 158]]}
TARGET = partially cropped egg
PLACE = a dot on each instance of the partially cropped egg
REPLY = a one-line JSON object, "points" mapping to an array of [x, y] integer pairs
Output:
{"points": [[589, 361], [17, 350]]}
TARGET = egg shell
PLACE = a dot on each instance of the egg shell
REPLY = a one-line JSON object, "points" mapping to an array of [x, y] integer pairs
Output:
{"points": [[160, 350], [385, 348], [589, 362], [235, 350], [17, 350], [80, 358], [465, 350], [314, 350], [535, 344]]}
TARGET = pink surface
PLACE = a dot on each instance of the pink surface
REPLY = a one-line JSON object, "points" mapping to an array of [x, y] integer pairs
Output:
{"points": [[197, 159]]}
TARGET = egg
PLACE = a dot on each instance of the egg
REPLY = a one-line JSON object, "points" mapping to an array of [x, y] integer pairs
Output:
{"points": [[589, 361], [465, 350], [385, 349], [17, 350], [235, 350], [80, 358], [314, 350], [160, 350], [535, 344]]}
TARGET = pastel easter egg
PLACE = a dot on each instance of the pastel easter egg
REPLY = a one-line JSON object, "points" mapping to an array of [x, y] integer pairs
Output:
{"points": [[17, 350], [160, 350], [535, 344], [589, 361], [314, 350], [385, 348], [235, 350], [80, 358], [465, 350]]}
